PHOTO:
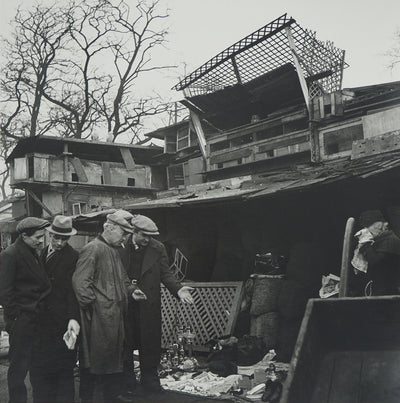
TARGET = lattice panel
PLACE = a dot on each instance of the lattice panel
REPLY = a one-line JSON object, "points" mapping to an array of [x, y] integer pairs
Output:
{"points": [[213, 314], [266, 50]]}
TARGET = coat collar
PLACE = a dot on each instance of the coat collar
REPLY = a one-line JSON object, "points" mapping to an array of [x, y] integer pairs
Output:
{"points": [[33, 263], [55, 258], [149, 257]]}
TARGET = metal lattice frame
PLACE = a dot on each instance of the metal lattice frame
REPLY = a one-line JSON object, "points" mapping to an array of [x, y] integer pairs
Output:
{"points": [[213, 314], [266, 50]]}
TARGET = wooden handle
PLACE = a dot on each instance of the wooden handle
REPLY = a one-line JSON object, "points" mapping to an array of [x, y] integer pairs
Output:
{"points": [[346, 258]]}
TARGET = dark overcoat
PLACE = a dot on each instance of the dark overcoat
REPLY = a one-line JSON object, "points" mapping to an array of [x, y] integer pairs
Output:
{"points": [[102, 287], [23, 282], [155, 270], [59, 307], [61, 303]]}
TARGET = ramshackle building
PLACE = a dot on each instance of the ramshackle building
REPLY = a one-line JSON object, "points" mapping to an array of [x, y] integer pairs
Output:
{"points": [[273, 157]]}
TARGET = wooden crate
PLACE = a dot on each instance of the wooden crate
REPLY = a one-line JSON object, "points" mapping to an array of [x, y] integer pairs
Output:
{"points": [[212, 315], [347, 351]]}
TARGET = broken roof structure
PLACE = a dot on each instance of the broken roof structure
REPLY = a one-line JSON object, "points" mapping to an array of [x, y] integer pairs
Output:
{"points": [[276, 66]]}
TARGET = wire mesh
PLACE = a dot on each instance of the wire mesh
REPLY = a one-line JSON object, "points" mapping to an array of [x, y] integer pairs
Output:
{"points": [[266, 50]]}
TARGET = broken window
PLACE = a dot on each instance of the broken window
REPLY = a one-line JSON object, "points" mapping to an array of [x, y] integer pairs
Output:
{"points": [[79, 208], [336, 141]]}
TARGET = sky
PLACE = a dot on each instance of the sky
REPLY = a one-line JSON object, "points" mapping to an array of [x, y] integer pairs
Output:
{"points": [[199, 29]]}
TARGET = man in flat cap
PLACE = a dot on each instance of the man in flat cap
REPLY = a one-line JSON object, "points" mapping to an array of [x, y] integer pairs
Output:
{"points": [[102, 288], [51, 374], [146, 263], [379, 247], [24, 286]]}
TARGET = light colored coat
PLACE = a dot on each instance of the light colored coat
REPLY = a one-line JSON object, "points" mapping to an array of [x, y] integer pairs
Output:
{"points": [[102, 288]]}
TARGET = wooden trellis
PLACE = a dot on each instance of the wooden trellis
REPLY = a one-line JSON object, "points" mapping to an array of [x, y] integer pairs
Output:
{"points": [[213, 314]]}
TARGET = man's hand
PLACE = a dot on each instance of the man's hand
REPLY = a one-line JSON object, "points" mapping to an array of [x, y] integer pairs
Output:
{"points": [[73, 325], [139, 295], [184, 294]]}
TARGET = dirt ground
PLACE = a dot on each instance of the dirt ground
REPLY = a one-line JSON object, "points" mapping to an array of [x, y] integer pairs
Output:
{"points": [[166, 397]]}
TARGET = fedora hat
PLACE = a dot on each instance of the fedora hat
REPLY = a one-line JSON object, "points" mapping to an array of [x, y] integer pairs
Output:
{"points": [[62, 225]]}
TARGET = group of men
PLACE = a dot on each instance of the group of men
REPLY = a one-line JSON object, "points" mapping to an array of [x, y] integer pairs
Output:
{"points": [[108, 294]]}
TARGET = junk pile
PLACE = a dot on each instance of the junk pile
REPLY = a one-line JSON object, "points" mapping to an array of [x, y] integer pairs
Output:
{"points": [[235, 366]]}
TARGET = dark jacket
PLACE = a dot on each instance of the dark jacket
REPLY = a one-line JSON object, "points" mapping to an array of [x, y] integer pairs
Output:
{"points": [[61, 303], [155, 270], [383, 258], [23, 281]]}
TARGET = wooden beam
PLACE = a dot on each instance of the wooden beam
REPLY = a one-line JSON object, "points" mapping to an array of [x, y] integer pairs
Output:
{"points": [[230, 156], [106, 173], [128, 159], [38, 201], [282, 143], [200, 134], [299, 70], [80, 171]]}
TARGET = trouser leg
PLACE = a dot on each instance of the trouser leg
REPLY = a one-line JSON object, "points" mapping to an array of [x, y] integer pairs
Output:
{"points": [[111, 386], [44, 385], [21, 338], [86, 385], [148, 369], [65, 386]]}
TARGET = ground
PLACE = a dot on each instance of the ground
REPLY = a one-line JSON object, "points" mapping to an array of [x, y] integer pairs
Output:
{"points": [[166, 397]]}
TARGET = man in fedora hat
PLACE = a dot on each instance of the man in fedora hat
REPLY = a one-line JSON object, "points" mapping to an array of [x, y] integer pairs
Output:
{"points": [[53, 362], [24, 286], [102, 288], [146, 262]]}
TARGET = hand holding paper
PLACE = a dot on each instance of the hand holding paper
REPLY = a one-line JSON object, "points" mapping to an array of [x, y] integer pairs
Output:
{"points": [[70, 339]]}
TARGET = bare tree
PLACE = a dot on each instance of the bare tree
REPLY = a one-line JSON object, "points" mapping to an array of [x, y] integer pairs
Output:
{"points": [[394, 53], [136, 34], [31, 53], [6, 144], [56, 72]]}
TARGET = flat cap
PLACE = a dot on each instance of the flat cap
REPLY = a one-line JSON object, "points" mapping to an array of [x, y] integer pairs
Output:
{"points": [[369, 217], [121, 218], [144, 224], [31, 223]]}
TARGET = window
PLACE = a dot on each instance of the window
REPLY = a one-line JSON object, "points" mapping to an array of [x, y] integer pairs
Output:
{"points": [[74, 177], [182, 138], [31, 167], [222, 145], [176, 176], [170, 144], [336, 141], [79, 208], [131, 181]]}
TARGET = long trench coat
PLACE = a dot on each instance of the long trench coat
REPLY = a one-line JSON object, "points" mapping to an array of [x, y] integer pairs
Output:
{"points": [[154, 271], [102, 287]]}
